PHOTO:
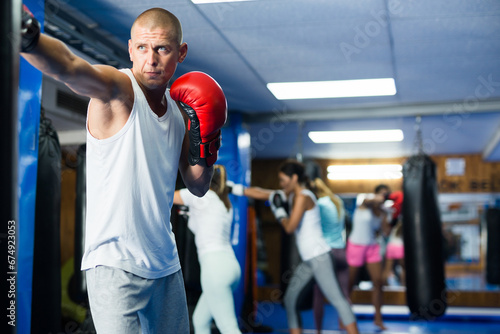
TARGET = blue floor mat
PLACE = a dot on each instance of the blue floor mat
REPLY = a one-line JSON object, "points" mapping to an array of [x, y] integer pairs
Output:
{"points": [[396, 319]]}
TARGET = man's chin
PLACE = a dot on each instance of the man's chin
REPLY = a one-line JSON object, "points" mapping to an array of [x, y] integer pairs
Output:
{"points": [[155, 84]]}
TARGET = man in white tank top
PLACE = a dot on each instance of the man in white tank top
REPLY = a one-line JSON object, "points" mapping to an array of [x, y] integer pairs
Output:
{"points": [[137, 140]]}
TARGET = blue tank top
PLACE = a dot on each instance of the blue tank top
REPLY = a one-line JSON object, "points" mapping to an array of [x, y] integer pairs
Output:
{"points": [[331, 224]]}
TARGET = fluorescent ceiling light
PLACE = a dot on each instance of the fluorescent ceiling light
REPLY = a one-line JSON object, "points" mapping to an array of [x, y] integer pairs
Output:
{"points": [[365, 136], [332, 89], [198, 2], [365, 172]]}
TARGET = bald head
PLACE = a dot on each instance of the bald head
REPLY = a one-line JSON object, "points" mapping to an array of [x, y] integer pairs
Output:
{"points": [[159, 18]]}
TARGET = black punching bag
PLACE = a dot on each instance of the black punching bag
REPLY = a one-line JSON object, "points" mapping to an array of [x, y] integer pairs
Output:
{"points": [[46, 295], [493, 246], [423, 240], [187, 251], [79, 286]]}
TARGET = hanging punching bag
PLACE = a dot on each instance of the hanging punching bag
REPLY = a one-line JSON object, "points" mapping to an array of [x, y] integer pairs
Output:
{"points": [[79, 286], [46, 295], [423, 240], [188, 255], [493, 246]]}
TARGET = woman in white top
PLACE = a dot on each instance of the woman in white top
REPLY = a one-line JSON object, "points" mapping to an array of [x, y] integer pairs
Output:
{"points": [[368, 219], [210, 220], [305, 221]]}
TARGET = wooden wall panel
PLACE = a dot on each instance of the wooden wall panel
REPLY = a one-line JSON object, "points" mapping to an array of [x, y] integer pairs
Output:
{"points": [[360, 186], [68, 203], [68, 198], [479, 176]]}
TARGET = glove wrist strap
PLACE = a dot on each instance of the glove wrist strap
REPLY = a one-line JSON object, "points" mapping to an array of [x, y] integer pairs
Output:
{"points": [[209, 149]]}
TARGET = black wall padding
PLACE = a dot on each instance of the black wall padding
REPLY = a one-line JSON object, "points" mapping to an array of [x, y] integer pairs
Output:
{"points": [[10, 38], [46, 296], [79, 288], [423, 240], [493, 246], [188, 256]]}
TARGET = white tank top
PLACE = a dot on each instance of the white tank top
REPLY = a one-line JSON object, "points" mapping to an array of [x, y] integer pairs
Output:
{"points": [[364, 227], [210, 221], [308, 235], [130, 186]]}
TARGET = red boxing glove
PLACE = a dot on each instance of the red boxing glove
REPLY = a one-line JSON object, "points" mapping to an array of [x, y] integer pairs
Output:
{"points": [[397, 198], [203, 101]]}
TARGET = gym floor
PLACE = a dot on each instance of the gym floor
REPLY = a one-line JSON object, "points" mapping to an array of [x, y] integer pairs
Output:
{"points": [[455, 321]]}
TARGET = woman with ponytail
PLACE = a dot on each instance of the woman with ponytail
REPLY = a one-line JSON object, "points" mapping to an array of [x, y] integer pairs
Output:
{"points": [[332, 211], [297, 210], [210, 220]]}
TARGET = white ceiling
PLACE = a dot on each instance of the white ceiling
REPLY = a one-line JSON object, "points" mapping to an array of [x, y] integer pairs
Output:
{"points": [[443, 55]]}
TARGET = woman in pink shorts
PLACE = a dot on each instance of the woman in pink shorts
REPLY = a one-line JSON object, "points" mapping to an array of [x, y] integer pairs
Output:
{"points": [[362, 247], [395, 253]]}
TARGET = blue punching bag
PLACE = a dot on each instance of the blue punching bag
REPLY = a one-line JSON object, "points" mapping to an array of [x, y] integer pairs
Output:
{"points": [[234, 154], [423, 240]]}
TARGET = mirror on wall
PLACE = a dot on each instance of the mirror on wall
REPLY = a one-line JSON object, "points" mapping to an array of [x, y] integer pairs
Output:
{"points": [[462, 204], [464, 241], [465, 231]]}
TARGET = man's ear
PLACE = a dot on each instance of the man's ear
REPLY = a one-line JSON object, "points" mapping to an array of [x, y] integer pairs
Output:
{"points": [[183, 49], [130, 49]]}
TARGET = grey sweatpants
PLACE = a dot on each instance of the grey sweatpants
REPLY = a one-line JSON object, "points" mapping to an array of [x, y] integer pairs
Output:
{"points": [[320, 268], [123, 303]]}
